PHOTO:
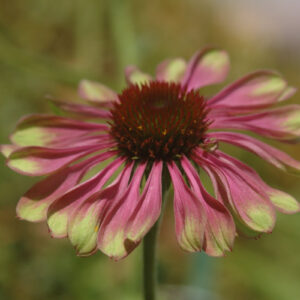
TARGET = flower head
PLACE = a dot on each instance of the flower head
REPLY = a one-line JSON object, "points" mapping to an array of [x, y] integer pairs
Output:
{"points": [[158, 121], [157, 126]]}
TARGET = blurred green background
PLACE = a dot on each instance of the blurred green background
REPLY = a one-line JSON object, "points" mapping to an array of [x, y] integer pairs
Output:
{"points": [[46, 47]]}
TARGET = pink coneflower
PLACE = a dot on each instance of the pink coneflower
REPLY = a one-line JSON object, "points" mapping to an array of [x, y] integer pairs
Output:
{"points": [[158, 129]]}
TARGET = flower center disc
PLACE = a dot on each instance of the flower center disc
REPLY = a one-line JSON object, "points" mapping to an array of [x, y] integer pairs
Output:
{"points": [[158, 121]]}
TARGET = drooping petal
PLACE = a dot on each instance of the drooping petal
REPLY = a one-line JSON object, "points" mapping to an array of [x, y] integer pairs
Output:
{"points": [[256, 90], [251, 205], [84, 223], [37, 161], [82, 111], [206, 67], [171, 70], [190, 217], [47, 130], [148, 208], [83, 227], [272, 155], [96, 92], [33, 206], [280, 123], [112, 238], [244, 231], [135, 76], [220, 228], [282, 201], [61, 209]]}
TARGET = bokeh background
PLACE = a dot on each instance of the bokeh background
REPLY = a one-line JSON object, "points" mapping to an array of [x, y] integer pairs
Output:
{"points": [[46, 47]]}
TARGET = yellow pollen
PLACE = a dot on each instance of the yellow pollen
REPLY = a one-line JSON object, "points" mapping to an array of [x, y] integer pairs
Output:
{"points": [[164, 132], [140, 127], [96, 228]]}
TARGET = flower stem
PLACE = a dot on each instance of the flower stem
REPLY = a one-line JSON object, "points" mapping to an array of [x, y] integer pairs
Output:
{"points": [[149, 256], [150, 247], [122, 33]]}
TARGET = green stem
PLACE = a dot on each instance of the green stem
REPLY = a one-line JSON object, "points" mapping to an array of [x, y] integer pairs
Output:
{"points": [[122, 33], [150, 247], [150, 271]]}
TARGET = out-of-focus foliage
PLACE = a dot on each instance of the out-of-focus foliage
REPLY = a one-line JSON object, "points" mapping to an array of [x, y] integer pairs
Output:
{"points": [[46, 47]]}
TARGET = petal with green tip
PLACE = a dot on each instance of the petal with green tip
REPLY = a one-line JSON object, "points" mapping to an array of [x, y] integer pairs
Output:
{"points": [[284, 202], [220, 228], [37, 161], [83, 227], [84, 223], [61, 210], [245, 231], [148, 208], [81, 111], [134, 76], [48, 130], [190, 215], [270, 154], [171, 70], [112, 239], [242, 192], [281, 123], [34, 204], [206, 67], [96, 92], [254, 91]]}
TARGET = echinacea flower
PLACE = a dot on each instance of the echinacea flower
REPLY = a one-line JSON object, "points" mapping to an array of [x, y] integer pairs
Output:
{"points": [[157, 128]]}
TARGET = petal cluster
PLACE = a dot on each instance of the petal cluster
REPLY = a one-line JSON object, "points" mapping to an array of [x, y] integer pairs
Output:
{"points": [[102, 199]]}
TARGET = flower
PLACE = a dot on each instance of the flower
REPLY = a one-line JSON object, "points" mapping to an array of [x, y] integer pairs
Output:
{"points": [[157, 128]]}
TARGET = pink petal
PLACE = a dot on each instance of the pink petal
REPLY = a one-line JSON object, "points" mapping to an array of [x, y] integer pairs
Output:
{"points": [[171, 70], [37, 161], [48, 130], [33, 206], [256, 90], [96, 92], [236, 188], [280, 123], [84, 223], [82, 111], [282, 201], [112, 233], [148, 208], [206, 67], [272, 155], [62, 208], [135, 76], [190, 217], [220, 228]]}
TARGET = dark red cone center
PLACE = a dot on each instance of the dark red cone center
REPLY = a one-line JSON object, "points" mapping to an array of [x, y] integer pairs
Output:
{"points": [[158, 121]]}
